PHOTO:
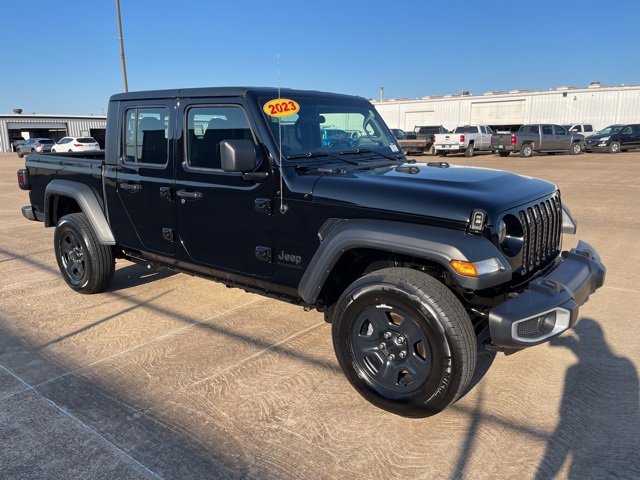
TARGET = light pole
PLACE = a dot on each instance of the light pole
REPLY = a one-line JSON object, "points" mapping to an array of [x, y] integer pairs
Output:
{"points": [[124, 64]]}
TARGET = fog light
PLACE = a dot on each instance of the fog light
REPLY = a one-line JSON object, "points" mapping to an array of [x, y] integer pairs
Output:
{"points": [[538, 326], [542, 326]]}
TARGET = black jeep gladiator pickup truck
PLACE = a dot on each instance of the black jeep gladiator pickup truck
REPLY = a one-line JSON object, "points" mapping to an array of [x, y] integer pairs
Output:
{"points": [[413, 264]]}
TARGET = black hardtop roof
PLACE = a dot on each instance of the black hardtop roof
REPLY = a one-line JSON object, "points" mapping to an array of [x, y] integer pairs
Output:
{"points": [[221, 92]]}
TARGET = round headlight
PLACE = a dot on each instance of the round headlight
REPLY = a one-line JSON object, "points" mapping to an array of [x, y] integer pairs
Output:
{"points": [[510, 235], [502, 232]]}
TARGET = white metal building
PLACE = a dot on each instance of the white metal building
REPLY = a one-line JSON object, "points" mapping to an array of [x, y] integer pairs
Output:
{"points": [[14, 126], [596, 104]]}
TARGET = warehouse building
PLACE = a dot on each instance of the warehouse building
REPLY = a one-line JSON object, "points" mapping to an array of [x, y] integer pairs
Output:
{"points": [[17, 126], [597, 104]]}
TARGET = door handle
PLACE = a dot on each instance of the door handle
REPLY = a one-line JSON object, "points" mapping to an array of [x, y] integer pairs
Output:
{"points": [[186, 195], [131, 187]]}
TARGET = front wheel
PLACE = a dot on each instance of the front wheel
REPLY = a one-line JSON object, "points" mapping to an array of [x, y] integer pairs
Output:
{"points": [[504, 154], [614, 147], [404, 341], [86, 265], [576, 148]]}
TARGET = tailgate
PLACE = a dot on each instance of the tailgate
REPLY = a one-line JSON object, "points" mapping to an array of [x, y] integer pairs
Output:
{"points": [[447, 139], [501, 139]]}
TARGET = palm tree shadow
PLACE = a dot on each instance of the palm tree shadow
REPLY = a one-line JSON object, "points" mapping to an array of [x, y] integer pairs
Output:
{"points": [[599, 427]]}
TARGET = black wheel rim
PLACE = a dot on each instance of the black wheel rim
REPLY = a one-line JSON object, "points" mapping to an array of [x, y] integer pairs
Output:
{"points": [[73, 257], [390, 349]]}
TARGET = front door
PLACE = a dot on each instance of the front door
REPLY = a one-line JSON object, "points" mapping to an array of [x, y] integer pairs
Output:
{"points": [[144, 177], [224, 222]]}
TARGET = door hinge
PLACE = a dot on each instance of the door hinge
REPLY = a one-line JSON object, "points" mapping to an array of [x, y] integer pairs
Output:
{"points": [[167, 234], [263, 205], [263, 254]]}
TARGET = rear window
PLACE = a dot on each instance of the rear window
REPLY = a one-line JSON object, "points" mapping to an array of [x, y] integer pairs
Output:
{"points": [[86, 140], [429, 130], [467, 130], [46, 140]]}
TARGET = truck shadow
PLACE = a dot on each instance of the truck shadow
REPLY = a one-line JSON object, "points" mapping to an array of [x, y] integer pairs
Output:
{"points": [[599, 427], [134, 275]]}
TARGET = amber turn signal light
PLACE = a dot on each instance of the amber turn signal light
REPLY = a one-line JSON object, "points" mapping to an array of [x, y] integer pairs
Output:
{"points": [[461, 267]]}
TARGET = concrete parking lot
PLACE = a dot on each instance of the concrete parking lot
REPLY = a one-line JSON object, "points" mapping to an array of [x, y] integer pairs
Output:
{"points": [[170, 376]]}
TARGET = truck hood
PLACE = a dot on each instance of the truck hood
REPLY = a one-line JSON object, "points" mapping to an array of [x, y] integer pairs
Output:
{"points": [[418, 189]]}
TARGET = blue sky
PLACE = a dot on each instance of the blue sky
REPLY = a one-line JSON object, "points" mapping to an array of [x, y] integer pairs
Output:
{"points": [[65, 57]]}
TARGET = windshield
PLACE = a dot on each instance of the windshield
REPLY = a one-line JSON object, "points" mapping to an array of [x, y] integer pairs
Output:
{"points": [[610, 129], [330, 125]]}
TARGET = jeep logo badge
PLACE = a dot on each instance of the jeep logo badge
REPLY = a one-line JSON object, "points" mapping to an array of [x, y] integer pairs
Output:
{"points": [[288, 258]]}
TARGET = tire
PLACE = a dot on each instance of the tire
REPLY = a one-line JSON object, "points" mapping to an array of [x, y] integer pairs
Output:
{"points": [[86, 265], [526, 151], [20, 154], [70, 151], [576, 148], [614, 147], [53, 150], [469, 151], [504, 154], [438, 341]]}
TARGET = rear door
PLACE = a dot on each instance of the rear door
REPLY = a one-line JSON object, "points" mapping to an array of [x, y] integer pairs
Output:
{"points": [[636, 135], [144, 177], [547, 138], [224, 221]]}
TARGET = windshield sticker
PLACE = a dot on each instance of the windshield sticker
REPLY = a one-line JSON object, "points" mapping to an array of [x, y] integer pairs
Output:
{"points": [[281, 107], [393, 147]]}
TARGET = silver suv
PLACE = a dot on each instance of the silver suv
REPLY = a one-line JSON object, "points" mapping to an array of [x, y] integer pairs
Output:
{"points": [[39, 145]]}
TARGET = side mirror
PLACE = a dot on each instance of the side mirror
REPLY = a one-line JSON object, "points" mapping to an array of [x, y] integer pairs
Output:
{"points": [[238, 155]]}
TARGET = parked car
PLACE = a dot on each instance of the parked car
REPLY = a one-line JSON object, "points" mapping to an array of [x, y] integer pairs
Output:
{"points": [[537, 138], [585, 129], [34, 145], [76, 144], [408, 141], [465, 139], [414, 265], [615, 138], [424, 136], [15, 141]]}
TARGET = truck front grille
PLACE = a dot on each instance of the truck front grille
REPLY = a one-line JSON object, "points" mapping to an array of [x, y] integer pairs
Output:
{"points": [[541, 229]]}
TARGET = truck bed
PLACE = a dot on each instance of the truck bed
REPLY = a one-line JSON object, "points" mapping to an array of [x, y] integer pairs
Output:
{"points": [[85, 167]]}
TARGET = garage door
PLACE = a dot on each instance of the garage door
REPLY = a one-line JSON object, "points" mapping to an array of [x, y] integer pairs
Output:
{"points": [[494, 113], [425, 117]]}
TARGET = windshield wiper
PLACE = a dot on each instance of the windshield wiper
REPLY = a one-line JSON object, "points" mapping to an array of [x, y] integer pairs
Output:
{"points": [[358, 150], [321, 154]]}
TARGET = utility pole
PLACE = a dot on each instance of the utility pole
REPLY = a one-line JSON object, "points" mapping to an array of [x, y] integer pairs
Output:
{"points": [[124, 64], [382, 93]]}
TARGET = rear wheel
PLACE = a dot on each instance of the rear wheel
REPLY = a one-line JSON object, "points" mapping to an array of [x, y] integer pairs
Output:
{"points": [[86, 265], [614, 147], [469, 151], [404, 341], [504, 154], [20, 154], [576, 148], [526, 151]]}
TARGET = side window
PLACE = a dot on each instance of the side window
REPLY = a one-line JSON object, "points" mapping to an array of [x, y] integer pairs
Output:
{"points": [[489, 130], [145, 135], [207, 127], [626, 131], [588, 128], [563, 131], [482, 129], [636, 129], [546, 130]]}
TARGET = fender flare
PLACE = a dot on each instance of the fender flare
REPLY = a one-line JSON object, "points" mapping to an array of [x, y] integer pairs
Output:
{"points": [[436, 244], [88, 202]]}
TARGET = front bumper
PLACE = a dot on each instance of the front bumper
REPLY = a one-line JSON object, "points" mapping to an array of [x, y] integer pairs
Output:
{"points": [[550, 304]]}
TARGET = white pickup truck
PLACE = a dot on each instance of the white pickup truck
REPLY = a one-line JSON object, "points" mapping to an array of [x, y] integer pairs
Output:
{"points": [[465, 139]]}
